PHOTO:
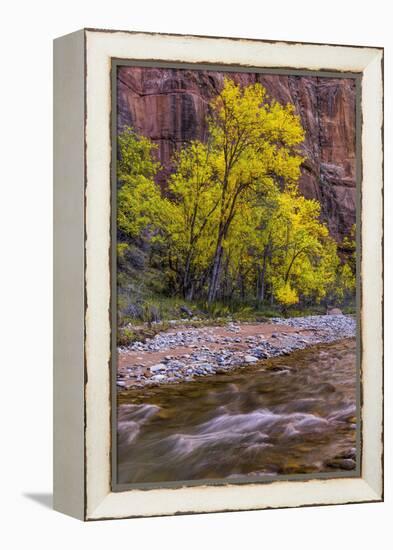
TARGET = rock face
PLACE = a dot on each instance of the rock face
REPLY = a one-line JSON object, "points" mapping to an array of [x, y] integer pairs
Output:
{"points": [[170, 105]]}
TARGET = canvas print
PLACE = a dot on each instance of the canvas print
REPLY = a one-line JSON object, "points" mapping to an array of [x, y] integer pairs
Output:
{"points": [[235, 275]]}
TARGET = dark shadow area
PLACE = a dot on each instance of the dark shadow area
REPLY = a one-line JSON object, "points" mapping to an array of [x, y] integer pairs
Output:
{"points": [[45, 499]]}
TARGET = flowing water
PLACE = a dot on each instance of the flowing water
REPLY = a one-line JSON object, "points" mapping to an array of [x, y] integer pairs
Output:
{"points": [[288, 415]]}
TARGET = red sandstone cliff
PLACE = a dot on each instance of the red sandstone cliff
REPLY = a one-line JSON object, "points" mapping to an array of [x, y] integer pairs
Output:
{"points": [[170, 105]]}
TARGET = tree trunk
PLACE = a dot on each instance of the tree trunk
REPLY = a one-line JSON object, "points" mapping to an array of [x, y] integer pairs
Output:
{"points": [[225, 223], [215, 272], [190, 292], [187, 275], [242, 287], [262, 273], [225, 282], [261, 286]]}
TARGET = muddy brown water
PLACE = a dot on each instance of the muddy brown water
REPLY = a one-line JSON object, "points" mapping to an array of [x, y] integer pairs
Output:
{"points": [[288, 415]]}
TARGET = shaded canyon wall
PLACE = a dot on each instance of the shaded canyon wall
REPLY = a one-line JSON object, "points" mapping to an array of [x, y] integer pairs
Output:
{"points": [[170, 105]]}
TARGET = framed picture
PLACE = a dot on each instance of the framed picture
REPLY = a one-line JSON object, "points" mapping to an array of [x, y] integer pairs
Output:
{"points": [[218, 274]]}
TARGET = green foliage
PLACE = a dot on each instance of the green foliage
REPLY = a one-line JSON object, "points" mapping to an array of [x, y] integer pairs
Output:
{"points": [[216, 310], [138, 197], [125, 337]]}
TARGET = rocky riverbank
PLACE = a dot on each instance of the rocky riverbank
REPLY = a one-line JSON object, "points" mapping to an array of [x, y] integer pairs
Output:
{"points": [[182, 354]]}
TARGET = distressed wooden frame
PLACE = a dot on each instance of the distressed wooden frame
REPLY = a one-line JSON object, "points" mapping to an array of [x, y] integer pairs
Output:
{"points": [[82, 334]]}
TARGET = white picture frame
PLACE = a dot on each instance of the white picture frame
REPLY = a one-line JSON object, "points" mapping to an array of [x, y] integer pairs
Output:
{"points": [[82, 335]]}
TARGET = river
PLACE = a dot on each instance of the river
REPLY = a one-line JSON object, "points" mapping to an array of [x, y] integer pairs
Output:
{"points": [[289, 415]]}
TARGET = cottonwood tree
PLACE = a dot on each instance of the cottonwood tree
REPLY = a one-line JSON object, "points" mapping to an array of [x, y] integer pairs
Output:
{"points": [[255, 141], [304, 258], [190, 215]]}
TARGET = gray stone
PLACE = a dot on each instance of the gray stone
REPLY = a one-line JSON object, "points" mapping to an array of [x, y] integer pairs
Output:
{"points": [[186, 310], [342, 464], [158, 378], [250, 359], [334, 311], [176, 364], [158, 367]]}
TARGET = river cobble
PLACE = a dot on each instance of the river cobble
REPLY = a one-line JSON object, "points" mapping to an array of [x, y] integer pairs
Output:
{"points": [[186, 354]]}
